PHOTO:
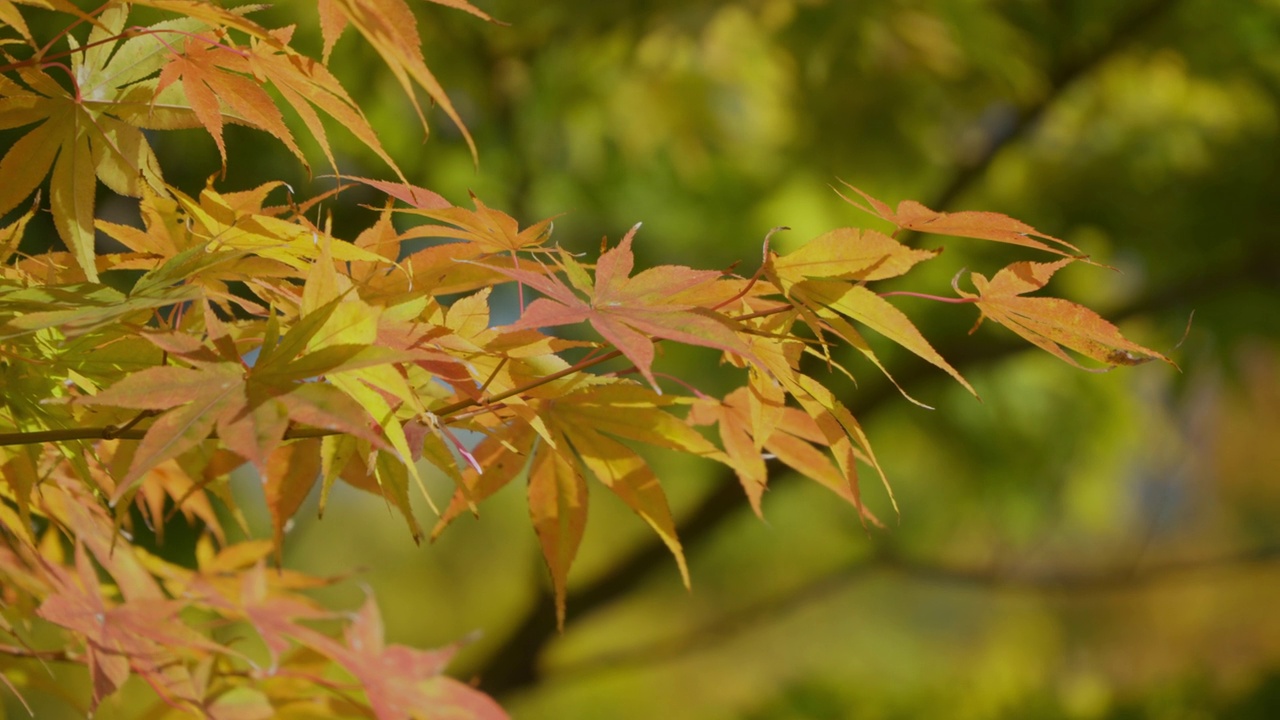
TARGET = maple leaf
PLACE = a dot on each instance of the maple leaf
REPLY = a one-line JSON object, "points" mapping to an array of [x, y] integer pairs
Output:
{"points": [[848, 254], [225, 82], [391, 28], [578, 431], [142, 635], [10, 16], [79, 308], [256, 596], [911, 215], [168, 481], [1052, 323], [491, 231], [209, 76], [484, 232], [558, 508], [660, 302], [403, 682], [794, 438], [826, 297], [251, 408], [86, 135], [418, 197]]}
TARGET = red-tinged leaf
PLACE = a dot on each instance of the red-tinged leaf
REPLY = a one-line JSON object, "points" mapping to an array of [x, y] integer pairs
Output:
{"points": [[628, 312], [848, 254], [168, 482], [328, 408], [492, 231], [558, 508], [164, 387], [274, 615], [501, 459], [403, 682], [630, 478], [390, 27], [77, 509], [412, 195], [140, 636], [742, 447], [198, 82], [911, 215], [218, 388], [216, 75], [180, 344], [864, 306], [1053, 324], [254, 430], [291, 472], [795, 439], [332, 22], [465, 6], [304, 83], [211, 13]]}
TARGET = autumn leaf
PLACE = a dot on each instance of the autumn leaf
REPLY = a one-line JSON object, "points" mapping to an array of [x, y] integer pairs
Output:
{"points": [[1052, 324], [85, 135], [194, 398], [488, 230], [501, 460], [400, 681], [583, 430], [209, 76], [629, 311], [140, 636], [847, 254], [866, 307], [558, 508], [414, 196], [794, 438], [291, 471], [911, 215], [225, 82], [391, 28]]}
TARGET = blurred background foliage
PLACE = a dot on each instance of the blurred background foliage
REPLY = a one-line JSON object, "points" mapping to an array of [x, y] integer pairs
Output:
{"points": [[1073, 546]]}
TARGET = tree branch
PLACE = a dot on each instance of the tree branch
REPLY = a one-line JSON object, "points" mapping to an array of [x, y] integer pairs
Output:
{"points": [[1060, 79], [1072, 582]]}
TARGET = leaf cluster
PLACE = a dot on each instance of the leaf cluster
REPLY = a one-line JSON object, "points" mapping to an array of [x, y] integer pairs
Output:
{"points": [[233, 328]]}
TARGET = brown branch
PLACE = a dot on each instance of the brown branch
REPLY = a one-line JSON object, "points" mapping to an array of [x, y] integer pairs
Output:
{"points": [[111, 432], [994, 579]]}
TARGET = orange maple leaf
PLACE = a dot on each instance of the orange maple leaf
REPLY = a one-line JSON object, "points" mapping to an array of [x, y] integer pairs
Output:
{"points": [[1052, 323], [911, 215], [661, 302]]}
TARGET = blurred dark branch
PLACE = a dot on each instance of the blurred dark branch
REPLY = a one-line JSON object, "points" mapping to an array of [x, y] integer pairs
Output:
{"points": [[1060, 79], [513, 665], [1057, 582]]}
